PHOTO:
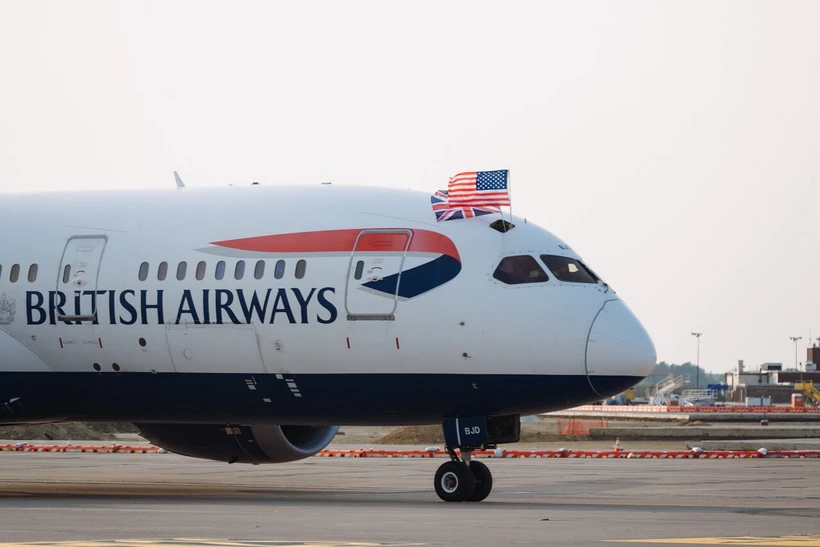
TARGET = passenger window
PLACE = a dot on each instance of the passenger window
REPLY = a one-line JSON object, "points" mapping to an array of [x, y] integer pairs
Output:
{"points": [[143, 271], [568, 269], [515, 270], [300, 269], [219, 273], [32, 273], [239, 271], [14, 275], [359, 269], [162, 271], [66, 273], [181, 270], [200, 270], [279, 269], [259, 270]]}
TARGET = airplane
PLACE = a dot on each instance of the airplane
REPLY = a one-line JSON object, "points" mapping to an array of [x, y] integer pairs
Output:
{"points": [[245, 324]]}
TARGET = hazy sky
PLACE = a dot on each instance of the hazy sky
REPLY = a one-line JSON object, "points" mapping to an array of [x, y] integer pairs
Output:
{"points": [[675, 145]]}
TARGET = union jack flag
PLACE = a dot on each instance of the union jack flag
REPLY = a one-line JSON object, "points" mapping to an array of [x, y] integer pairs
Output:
{"points": [[445, 211]]}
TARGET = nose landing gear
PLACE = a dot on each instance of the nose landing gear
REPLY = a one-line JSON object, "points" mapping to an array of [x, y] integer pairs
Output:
{"points": [[462, 478], [454, 481]]}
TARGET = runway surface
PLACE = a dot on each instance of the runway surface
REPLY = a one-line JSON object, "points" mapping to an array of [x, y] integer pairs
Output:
{"points": [[166, 500]]}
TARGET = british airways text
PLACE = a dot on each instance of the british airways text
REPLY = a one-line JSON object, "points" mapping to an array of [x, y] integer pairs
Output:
{"points": [[202, 307]]}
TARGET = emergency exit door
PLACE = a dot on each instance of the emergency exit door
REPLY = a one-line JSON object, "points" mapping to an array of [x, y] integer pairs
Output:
{"points": [[374, 274]]}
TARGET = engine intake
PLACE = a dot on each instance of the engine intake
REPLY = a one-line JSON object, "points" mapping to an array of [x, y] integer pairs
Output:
{"points": [[263, 443]]}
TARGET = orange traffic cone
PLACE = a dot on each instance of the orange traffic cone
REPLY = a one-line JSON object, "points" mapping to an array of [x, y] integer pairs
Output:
{"points": [[617, 444]]}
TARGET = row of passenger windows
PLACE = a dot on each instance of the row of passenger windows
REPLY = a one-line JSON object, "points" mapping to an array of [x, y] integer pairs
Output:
{"points": [[182, 269], [221, 269], [515, 270], [14, 273]]}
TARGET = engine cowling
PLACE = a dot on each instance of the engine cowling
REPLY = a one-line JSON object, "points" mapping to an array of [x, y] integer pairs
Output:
{"points": [[261, 443]]}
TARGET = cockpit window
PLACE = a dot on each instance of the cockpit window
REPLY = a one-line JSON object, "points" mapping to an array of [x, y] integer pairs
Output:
{"points": [[568, 269], [514, 270]]}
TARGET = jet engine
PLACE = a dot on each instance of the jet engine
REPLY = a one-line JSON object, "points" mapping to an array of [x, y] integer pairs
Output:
{"points": [[261, 443]]}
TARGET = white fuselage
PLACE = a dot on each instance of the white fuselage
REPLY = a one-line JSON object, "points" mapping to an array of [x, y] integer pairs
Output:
{"points": [[288, 291]]}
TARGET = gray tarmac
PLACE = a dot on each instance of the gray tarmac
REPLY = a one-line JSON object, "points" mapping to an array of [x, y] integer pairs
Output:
{"points": [[162, 500]]}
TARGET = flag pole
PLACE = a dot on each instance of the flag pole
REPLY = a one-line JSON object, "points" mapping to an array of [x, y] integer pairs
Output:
{"points": [[509, 195]]}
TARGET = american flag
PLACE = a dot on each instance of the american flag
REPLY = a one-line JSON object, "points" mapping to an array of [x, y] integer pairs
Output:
{"points": [[444, 211], [479, 189]]}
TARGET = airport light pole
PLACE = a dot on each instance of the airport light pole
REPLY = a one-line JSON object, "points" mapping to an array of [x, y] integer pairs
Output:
{"points": [[795, 339], [697, 366]]}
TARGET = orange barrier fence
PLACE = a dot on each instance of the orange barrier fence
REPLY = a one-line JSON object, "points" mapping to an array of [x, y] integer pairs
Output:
{"points": [[754, 409], [97, 449], [437, 453], [694, 409], [618, 408]]}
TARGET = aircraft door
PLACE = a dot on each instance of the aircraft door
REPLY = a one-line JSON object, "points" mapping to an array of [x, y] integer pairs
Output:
{"points": [[374, 274], [79, 270], [75, 305]]}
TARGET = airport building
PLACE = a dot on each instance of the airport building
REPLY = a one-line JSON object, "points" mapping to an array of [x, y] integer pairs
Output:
{"points": [[772, 380]]}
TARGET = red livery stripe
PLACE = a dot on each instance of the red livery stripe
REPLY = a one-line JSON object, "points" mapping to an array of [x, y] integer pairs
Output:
{"points": [[334, 241]]}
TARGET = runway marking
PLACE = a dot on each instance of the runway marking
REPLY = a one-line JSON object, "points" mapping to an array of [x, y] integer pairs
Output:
{"points": [[202, 542], [809, 540]]}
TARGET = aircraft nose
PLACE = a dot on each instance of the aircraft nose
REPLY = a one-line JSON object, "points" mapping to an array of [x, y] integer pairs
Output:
{"points": [[619, 352]]}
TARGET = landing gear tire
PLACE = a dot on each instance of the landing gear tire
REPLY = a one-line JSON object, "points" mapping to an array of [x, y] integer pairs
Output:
{"points": [[483, 481], [455, 482]]}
